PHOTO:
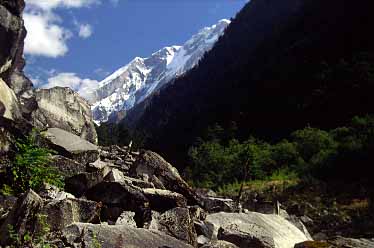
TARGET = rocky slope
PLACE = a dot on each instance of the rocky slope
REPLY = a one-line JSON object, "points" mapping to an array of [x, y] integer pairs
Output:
{"points": [[135, 82]]}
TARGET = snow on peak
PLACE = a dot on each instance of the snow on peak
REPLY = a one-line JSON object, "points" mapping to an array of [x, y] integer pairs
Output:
{"points": [[133, 83]]}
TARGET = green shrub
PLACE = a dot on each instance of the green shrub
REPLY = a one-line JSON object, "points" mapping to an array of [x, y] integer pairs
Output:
{"points": [[31, 168]]}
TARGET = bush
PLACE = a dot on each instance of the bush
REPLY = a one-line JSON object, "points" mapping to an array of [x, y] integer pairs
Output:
{"points": [[30, 168]]}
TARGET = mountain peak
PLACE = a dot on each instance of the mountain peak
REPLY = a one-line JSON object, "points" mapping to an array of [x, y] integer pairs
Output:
{"points": [[134, 82]]}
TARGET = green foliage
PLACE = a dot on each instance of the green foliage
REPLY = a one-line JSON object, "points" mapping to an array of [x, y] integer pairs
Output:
{"points": [[311, 152], [30, 168], [40, 239]]}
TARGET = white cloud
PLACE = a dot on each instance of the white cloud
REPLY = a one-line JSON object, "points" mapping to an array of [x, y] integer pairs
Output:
{"points": [[67, 79], [44, 36], [52, 4], [85, 31]]}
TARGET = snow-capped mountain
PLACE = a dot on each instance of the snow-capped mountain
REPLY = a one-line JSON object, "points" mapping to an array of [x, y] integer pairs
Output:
{"points": [[136, 81]]}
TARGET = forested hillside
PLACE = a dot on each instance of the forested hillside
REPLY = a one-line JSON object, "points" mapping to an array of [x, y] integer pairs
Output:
{"points": [[281, 66]]}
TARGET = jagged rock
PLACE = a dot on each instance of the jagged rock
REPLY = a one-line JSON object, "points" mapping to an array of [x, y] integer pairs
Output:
{"points": [[127, 219], [118, 197], [63, 108], [205, 192], [12, 34], [51, 192], [116, 175], [79, 184], [163, 200], [67, 167], [219, 244], [351, 243], [23, 216], [14, 6], [202, 240], [214, 204], [61, 213], [6, 205], [81, 235], [151, 164], [204, 228], [284, 233], [9, 102], [314, 244], [247, 235], [23, 88], [176, 223], [197, 213], [71, 146], [299, 224]]}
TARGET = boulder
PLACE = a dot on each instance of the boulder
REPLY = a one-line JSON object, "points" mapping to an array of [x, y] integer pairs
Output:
{"points": [[202, 240], [81, 235], [127, 219], [6, 205], [115, 175], [351, 243], [79, 184], [67, 167], [153, 165], [284, 233], [63, 108], [61, 213], [176, 223], [22, 217], [14, 6], [71, 146], [219, 244], [23, 88], [314, 244], [215, 204], [247, 235], [51, 192], [163, 200], [9, 102], [12, 34], [118, 197]]}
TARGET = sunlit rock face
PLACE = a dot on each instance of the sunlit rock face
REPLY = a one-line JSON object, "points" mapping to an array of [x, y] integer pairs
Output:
{"points": [[268, 229], [135, 82], [63, 108]]}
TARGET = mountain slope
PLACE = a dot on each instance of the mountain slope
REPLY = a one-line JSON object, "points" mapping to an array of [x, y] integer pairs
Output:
{"points": [[134, 82], [280, 66]]}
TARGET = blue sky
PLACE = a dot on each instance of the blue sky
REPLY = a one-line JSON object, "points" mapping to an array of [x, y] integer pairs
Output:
{"points": [[75, 40]]}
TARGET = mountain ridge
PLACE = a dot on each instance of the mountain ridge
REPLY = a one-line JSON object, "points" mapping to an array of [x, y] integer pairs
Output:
{"points": [[134, 82]]}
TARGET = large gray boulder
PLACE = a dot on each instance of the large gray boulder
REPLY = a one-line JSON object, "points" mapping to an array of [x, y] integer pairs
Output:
{"points": [[216, 204], [219, 244], [71, 146], [246, 235], [63, 108], [338, 242], [176, 223], [118, 197], [61, 213], [151, 165], [23, 217], [81, 235], [284, 233], [9, 102], [67, 167], [163, 200]]}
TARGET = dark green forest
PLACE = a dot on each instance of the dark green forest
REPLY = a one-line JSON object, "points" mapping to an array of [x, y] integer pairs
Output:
{"points": [[218, 158], [281, 66]]}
